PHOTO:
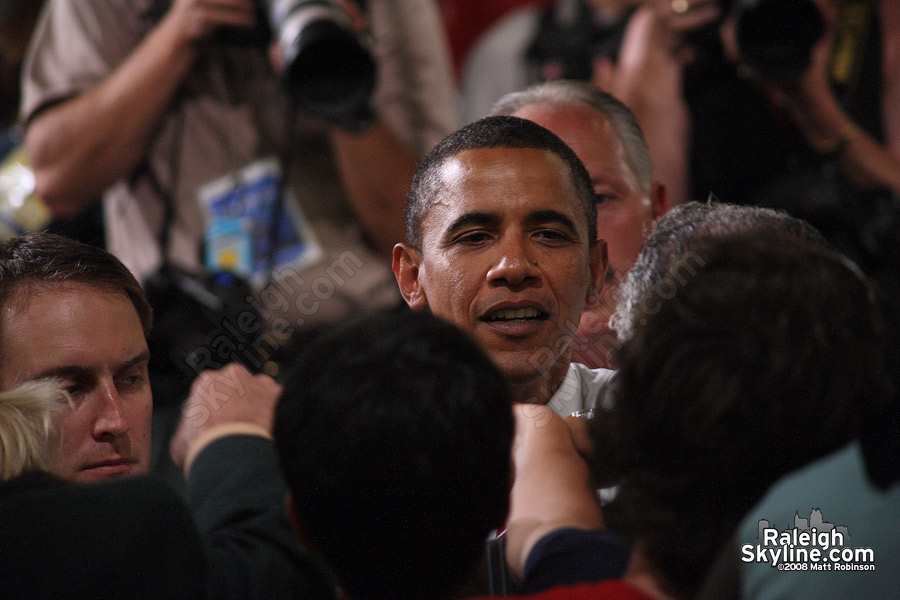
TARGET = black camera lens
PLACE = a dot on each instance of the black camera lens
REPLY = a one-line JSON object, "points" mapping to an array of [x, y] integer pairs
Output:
{"points": [[328, 70], [776, 37]]}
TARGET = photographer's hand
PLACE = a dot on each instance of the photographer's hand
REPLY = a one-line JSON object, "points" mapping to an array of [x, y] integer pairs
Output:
{"points": [[677, 18], [648, 80], [828, 129], [196, 20]]}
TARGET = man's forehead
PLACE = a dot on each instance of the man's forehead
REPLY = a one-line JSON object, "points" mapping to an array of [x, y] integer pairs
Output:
{"points": [[26, 290], [497, 180], [479, 162], [594, 137], [44, 326]]}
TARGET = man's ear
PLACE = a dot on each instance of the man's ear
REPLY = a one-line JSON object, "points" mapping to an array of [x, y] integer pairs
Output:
{"points": [[659, 199], [406, 265], [599, 260], [297, 524]]}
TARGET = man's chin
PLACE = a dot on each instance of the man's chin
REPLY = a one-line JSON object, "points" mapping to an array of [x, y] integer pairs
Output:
{"points": [[527, 371]]}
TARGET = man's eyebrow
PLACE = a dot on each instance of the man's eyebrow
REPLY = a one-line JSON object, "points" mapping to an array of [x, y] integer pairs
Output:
{"points": [[552, 216], [472, 218], [81, 371], [65, 372], [143, 357]]}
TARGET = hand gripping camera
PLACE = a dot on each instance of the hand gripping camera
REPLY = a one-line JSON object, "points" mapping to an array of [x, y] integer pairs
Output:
{"points": [[776, 37], [328, 67]]}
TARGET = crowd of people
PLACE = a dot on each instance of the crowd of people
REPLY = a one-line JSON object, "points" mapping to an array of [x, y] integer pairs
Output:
{"points": [[390, 305]]}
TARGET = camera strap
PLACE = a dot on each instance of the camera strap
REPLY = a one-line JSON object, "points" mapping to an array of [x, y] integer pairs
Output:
{"points": [[166, 194]]}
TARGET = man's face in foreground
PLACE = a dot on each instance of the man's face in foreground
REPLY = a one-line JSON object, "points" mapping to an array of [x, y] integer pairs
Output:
{"points": [[92, 341], [506, 257]]}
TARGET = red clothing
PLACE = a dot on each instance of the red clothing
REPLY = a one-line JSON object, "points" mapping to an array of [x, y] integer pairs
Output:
{"points": [[614, 589], [466, 20]]}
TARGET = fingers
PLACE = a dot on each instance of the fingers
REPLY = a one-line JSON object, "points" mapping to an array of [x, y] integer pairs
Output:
{"points": [[578, 428], [230, 396], [533, 415], [683, 16], [355, 14], [197, 20], [539, 430]]}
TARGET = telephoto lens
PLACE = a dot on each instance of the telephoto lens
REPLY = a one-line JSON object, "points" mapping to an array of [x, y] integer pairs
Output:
{"points": [[328, 68]]}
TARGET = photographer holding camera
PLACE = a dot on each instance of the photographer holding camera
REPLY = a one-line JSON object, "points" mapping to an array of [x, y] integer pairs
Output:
{"points": [[211, 159], [792, 103]]}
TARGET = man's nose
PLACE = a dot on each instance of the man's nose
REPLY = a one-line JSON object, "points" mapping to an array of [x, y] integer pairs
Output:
{"points": [[515, 265], [111, 421]]}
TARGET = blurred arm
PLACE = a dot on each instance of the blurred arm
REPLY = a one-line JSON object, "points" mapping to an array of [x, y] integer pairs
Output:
{"points": [[649, 79], [376, 170], [416, 105], [552, 488], [827, 128], [82, 145]]}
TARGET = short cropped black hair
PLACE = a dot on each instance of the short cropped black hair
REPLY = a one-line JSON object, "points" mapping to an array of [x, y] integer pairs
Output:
{"points": [[394, 434], [492, 132]]}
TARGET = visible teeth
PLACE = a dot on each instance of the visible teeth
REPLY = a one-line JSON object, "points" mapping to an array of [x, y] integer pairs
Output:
{"points": [[509, 314]]}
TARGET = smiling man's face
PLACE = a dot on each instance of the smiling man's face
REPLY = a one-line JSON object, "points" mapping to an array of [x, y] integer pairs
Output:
{"points": [[506, 257], [92, 341]]}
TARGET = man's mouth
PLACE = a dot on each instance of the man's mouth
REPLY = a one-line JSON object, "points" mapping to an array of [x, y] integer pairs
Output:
{"points": [[515, 314], [111, 467]]}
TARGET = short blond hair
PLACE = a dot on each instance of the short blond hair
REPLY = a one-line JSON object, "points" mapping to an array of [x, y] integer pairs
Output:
{"points": [[26, 414]]}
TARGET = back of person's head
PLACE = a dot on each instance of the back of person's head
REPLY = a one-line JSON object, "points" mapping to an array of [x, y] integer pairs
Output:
{"points": [[678, 231], [566, 92], [491, 132], [760, 362], [130, 539], [25, 421], [394, 434], [39, 260]]}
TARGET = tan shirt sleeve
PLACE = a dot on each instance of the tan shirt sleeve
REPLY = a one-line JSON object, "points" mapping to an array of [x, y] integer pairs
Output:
{"points": [[76, 45]]}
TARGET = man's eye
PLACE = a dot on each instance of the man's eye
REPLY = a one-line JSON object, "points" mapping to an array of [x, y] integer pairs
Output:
{"points": [[475, 237], [132, 380], [553, 235], [74, 389], [601, 198]]}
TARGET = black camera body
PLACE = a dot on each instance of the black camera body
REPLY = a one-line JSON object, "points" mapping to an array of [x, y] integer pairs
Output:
{"points": [[328, 68], [776, 37]]}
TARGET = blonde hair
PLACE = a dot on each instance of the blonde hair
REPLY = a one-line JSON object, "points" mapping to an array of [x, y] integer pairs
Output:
{"points": [[25, 421]]}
